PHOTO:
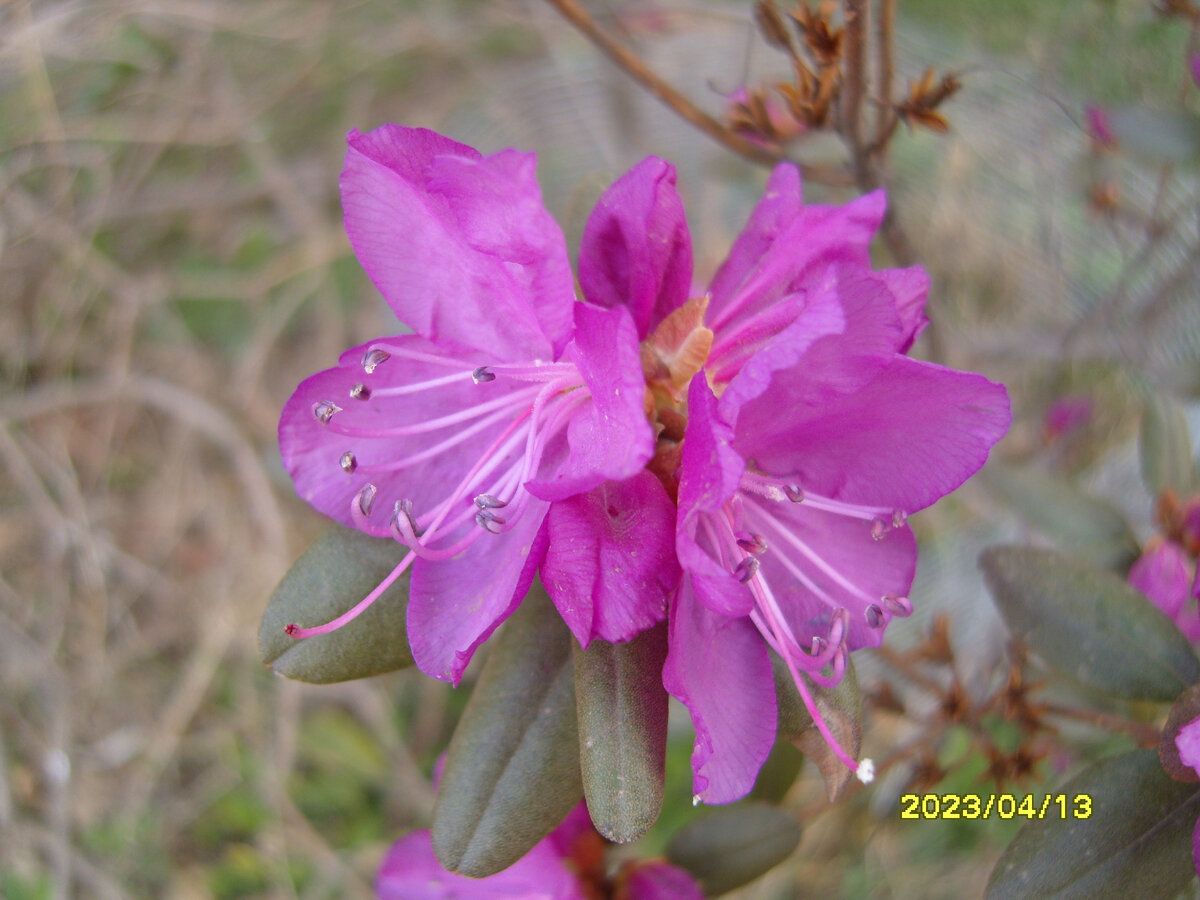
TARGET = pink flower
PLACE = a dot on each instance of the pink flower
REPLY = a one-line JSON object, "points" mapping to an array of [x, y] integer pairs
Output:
{"points": [[508, 432], [1164, 573], [810, 437], [549, 871], [1188, 743]]}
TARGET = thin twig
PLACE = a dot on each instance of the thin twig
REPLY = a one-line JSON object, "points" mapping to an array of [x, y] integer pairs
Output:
{"points": [[885, 48], [854, 77], [650, 80]]}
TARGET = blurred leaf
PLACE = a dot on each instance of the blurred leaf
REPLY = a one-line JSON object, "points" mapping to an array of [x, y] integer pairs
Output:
{"points": [[1166, 447], [1084, 525], [732, 845], [1185, 710], [338, 570], [1159, 135], [840, 707], [219, 321], [1089, 625], [622, 713], [512, 769], [1136, 842]]}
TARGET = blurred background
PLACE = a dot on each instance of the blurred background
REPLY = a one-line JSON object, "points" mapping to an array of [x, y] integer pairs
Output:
{"points": [[172, 264]]}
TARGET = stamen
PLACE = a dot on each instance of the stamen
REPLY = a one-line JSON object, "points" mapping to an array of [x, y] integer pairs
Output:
{"points": [[794, 492], [746, 569], [490, 523], [360, 392], [325, 410], [295, 631], [874, 616], [752, 543], [879, 529], [483, 373], [865, 771], [365, 499], [373, 357], [490, 501], [348, 462], [899, 518], [897, 605]]}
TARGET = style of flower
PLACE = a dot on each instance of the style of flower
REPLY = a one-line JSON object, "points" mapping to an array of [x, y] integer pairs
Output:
{"points": [[565, 865], [508, 432], [809, 437]]}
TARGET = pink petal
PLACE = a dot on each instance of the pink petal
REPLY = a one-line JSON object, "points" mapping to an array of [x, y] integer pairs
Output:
{"points": [[312, 452], [458, 244], [455, 604], [411, 871], [910, 287], [636, 249], [609, 438], [659, 881], [718, 668], [709, 474], [910, 436], [1188, 742], [1162, 574], [610, 566]]}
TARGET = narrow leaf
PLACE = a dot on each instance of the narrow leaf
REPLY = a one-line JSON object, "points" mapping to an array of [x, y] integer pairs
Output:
{"points": [[1135, 841], [622, 712], [1166, 447], [732, 845], [1084, 525], [338, 570], [1089, 625], [840, 707], [512, 769]]}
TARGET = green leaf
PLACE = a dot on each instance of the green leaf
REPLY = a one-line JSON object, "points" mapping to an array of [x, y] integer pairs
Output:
{"points": [[840, 707], [1166, 447], [1084, 525], [732, 845], [1089, 625], [1158, 135], [622, 712], [512, 769], [1137, 841], [338, 570]]}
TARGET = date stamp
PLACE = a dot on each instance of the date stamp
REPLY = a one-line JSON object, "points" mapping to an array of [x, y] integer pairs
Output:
{"points": [[1003, 806]]}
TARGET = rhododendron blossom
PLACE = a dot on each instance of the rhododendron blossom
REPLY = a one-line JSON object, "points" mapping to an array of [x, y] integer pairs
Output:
{"points": [[507, 433]]}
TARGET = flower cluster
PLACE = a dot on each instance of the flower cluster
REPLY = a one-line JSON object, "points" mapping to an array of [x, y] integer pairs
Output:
{"points": [[740, 459]]}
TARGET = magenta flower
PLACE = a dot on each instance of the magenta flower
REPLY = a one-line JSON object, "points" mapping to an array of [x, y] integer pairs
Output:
{"points": [[810, 437], [550, 871], [1188, 743], [1164, 573], [509, 431]]}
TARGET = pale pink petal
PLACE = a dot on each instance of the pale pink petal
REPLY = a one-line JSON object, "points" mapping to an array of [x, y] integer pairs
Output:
{"points": [[718, 667], [458, 244], [1163, 574], [636, 249], [610, 567], [1188, 743]]}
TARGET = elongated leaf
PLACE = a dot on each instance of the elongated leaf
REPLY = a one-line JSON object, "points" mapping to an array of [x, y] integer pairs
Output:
{"points": [[338, 570], [1089, 625], [732, 845], [622, 712], [1165, 447], [512, 769], [1084, 525], [1136, 842], [840, 707]]}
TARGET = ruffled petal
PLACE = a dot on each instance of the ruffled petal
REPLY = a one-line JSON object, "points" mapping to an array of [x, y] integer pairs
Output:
{"points": [[718, 668], [910, 287], [411, 871], [910, 436], [455, 604], [636, 249], [609, 438], [459, 244], [423, 466], [709, 474], [844, 337], [610, 566]]}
